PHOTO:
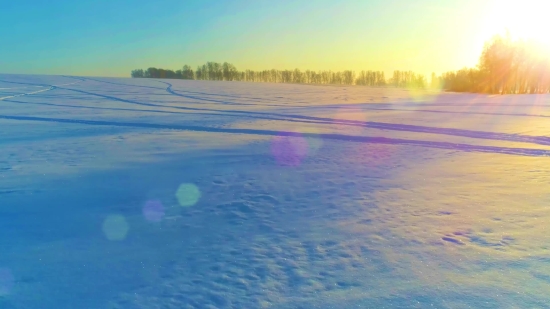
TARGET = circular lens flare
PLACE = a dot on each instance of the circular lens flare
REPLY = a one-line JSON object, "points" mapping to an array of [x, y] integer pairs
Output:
{"points": [[289, 150], [188, 194], [115, 227], [313, 138], [153, 211]]}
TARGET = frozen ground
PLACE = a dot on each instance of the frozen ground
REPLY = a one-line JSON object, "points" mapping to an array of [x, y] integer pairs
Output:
{"points": [[140, 193]]}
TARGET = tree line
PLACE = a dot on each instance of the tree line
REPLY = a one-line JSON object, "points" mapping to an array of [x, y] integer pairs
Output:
{"points": [[228, 72], [506, 66]]}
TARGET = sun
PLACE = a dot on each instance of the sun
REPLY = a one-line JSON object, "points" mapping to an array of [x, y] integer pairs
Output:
{"points": [[526, 19]]}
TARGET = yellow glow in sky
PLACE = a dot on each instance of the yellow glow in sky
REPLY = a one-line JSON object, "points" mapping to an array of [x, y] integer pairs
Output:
{"points": [[528, 19], [108, 40]]}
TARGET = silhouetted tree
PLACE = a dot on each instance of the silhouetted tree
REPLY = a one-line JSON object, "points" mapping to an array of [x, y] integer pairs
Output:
{"points": [[187, 72], [138, 73]]}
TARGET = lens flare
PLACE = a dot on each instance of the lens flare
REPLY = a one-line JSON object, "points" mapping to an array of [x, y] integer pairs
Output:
{"points": [[417, 95], [115, 227], [314, 144], [188, 194], [153, 211], [312, 136], [289, 150], [7, 281]]}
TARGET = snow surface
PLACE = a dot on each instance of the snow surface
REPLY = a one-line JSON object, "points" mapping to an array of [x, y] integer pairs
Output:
{"points": [[141, 193]]}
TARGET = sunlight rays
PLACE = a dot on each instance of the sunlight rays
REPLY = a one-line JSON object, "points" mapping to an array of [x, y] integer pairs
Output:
{"points": [[527, 19]]}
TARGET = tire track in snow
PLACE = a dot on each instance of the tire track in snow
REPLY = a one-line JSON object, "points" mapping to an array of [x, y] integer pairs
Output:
{"points": [[28, 93], [195, 111], [362, 106], [329, 136], [52, 87], [366, 107], [21, 87], [172, 92], [541, 140]]}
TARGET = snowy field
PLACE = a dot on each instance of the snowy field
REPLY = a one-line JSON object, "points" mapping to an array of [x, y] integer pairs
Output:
{"points": [[141, 193]]}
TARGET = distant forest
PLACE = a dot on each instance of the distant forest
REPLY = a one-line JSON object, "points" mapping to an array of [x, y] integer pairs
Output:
{"points": [[505, 67], [228, 72]]}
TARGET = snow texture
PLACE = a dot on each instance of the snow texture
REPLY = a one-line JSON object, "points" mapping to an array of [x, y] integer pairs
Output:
{"points": [[142, 193]]}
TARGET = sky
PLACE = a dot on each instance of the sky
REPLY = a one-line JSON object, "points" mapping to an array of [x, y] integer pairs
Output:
{"points": [[112, 37]]}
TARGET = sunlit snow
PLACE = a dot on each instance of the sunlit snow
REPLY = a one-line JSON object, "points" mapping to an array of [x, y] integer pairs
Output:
{"points": [[142, 193]]}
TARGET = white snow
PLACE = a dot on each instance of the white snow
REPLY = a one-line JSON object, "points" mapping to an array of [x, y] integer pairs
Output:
{"points": [[142, 193]]}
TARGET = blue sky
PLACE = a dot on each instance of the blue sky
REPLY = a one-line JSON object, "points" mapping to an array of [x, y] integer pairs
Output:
{"points": [[109, 38]]}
